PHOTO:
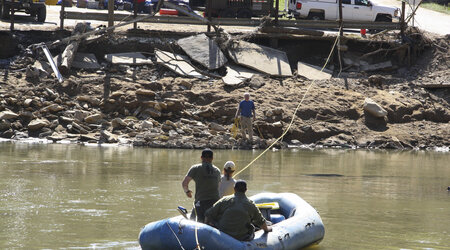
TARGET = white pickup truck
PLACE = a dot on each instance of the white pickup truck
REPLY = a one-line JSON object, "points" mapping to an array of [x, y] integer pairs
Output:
{"points": [[357, 10]]}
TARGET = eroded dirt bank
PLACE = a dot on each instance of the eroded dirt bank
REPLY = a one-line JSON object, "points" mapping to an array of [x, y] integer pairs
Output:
{"points": [[148, 105]]}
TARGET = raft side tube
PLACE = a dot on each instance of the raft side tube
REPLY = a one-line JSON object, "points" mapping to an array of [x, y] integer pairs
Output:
{"points": [[301, 227]]}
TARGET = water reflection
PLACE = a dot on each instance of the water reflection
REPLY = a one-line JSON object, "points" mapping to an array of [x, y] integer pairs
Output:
{"points": [[73, 196]]}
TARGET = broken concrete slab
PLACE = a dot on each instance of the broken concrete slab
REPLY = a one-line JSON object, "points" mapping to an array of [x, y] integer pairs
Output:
{"points": [[264, 59], [203, 50], [236, 75], [177, 63], [85, 61], [313, 72], [132, 58]]}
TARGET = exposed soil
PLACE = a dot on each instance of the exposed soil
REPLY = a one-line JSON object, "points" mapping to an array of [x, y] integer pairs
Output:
{"points": [[151, 106]]}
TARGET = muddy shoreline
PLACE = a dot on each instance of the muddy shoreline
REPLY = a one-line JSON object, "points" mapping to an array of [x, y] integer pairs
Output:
{"points": [[148, 105]]}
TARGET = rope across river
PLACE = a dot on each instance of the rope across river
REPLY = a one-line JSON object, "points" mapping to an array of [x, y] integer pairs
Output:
{"points": [[295, 112]]}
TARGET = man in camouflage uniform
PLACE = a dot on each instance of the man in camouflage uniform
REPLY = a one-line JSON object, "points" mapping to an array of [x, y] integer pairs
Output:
{"points": [[235, 215]]}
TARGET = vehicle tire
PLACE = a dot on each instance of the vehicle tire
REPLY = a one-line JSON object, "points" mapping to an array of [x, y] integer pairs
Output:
{"points": [[4, 10], [41, 14], [244, 13], [228, 13], [316, 16], [387, 19]]}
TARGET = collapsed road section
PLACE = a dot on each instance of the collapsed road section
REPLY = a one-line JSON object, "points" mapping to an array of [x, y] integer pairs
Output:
{"points": [[181, 90]]}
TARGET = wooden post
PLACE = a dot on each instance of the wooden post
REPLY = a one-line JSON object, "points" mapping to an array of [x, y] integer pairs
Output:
{"points": [[341, 32], [402, 20], [135, 13], [208, 9], [110, 13], [11, 17], [277, 6], [69, 53], [61, 16]]}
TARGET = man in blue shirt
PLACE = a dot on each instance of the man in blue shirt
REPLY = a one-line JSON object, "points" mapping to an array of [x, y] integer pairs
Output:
{"points": [[246, 110]]}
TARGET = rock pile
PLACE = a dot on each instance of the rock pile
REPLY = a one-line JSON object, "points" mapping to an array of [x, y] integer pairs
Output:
{"points": [[149, 105]]}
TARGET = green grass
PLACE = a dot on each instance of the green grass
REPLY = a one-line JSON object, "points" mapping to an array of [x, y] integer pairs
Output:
{"points": [[281, 4], [436, 7]]}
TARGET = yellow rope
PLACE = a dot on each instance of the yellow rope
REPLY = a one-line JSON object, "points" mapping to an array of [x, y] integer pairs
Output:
{"points": [[295, 112], [196, 228]]}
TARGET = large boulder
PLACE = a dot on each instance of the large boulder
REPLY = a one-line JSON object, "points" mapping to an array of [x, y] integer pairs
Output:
{"points": [[6, 115], [52, 108], [145, 92], [4, 125], [118, 123], [93, 119], [373, 108], [216, 127], [37, 124]]}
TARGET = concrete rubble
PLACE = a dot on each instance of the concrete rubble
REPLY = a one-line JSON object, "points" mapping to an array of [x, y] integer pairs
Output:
{"points": [[261, 58], [183, 93], [85, 61], [313, 72], [177, 63], [203, 50], [237, 75], [131, 58]]}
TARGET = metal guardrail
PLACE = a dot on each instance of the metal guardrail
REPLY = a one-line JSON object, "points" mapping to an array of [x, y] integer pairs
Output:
{"points": [[325, 24]]}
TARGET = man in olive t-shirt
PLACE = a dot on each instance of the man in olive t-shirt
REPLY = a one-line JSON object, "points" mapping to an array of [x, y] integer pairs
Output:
{"points": [[206, 177]]}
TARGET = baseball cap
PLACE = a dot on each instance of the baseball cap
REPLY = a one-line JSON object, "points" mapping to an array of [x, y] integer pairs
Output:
{"points": [[229, 165], [207, 153]]}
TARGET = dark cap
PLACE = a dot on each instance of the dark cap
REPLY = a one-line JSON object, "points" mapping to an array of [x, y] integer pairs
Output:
{"points": [[207, 153], [240, 186]]}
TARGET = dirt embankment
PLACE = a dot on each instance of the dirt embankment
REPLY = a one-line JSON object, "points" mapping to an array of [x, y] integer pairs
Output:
{"points": [[151, 106]]}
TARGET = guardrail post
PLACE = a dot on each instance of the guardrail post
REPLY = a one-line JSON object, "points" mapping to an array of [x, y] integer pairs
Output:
{"points": [[277, 6], [11, 17], [402, 20], [135, 3], [61, 16], [110, 13], [208, 9]]}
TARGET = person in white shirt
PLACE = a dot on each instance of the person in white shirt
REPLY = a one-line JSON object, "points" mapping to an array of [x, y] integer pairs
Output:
{"points": [[226, 186]]}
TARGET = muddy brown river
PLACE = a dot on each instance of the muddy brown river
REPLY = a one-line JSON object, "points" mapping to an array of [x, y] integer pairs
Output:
{"points": [[55, 196]]}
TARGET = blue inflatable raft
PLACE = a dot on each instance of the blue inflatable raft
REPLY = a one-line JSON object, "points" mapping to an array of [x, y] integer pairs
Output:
{"points": [[296, 224]]}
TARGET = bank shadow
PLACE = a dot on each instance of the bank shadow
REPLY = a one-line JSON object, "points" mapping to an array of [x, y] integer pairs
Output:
{"points": [[375, 123]]}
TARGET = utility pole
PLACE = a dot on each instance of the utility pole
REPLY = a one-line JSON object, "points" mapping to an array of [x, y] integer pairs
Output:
{"points": [[341, 32]]}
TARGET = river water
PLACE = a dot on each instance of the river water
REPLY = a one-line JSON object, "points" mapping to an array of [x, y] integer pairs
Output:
{"points": [[55, 196]]}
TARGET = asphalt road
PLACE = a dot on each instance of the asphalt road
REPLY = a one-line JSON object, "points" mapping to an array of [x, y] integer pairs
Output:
{"points": [[425, 19]]}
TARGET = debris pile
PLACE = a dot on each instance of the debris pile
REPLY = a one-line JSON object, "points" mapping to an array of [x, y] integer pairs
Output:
{"points": [[183, 93]]}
